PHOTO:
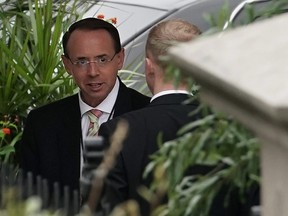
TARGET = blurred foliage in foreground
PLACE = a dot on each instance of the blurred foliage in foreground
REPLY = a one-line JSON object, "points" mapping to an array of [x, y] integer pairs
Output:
{"points": [[217, 140]]}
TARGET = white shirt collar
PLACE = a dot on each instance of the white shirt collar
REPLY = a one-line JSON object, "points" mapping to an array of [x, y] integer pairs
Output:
{"points": [[106, 105], [169, 92]]}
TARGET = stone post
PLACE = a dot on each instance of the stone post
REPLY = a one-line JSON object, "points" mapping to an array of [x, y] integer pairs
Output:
{"points": [[244, 72]]}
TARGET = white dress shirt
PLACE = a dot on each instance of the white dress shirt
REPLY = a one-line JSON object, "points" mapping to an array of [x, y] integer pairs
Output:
{"points": [[106, 106]]}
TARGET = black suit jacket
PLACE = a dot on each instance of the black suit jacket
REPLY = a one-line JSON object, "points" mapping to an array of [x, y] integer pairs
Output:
{"points": [[50, 145], [166, 114]]}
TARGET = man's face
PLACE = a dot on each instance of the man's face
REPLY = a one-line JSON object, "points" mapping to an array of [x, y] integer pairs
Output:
{"points": [[97, 78]]}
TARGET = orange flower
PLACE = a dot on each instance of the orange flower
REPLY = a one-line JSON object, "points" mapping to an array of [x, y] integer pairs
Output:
{"points": [[113, 20], [100, 16], [6, 131]]}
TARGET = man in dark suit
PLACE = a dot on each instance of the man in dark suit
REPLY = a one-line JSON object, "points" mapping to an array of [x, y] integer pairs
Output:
{"points": [[165, 114], [52, 140]]}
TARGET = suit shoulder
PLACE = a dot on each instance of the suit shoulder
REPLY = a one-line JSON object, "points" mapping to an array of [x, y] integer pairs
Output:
{"points": [[138, 98], [58, 105], [130, 117]]}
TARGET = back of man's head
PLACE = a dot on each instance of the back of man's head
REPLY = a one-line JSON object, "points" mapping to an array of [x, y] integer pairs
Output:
{"points": [[168, 33]]}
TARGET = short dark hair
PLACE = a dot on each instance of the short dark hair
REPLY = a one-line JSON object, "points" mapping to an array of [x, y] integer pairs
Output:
{"points": [[92, 24]]}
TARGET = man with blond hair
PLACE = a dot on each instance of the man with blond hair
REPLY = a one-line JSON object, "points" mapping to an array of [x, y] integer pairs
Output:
{"points": [[165, 114]]}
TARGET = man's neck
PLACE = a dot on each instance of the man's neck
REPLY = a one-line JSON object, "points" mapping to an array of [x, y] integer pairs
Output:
{"points": [[168, 86]]}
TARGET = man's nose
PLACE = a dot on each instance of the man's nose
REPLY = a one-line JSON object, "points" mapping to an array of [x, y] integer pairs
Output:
{"points": [[93, 68]]}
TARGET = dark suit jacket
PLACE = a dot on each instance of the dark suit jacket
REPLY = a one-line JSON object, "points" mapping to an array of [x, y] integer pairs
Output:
{"points": [[50, 146], [166, 114]]}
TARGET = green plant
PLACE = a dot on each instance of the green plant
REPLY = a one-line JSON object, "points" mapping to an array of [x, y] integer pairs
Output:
{"points": [[217, 140], [10, 133], [31, 71]]}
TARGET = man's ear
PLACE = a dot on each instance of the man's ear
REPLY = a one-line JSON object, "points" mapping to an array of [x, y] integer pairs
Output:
{"points": [[149, 66], [121, 58], [67, 64]]}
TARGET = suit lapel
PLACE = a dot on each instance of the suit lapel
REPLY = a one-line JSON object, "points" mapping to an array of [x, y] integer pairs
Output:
{"points": [[123, 101]]}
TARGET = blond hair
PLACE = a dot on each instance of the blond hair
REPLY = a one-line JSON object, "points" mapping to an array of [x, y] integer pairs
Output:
{"points": [[166, 34]]}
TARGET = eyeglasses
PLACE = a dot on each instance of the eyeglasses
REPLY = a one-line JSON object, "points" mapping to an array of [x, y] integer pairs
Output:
{"points": [[101, 61]]}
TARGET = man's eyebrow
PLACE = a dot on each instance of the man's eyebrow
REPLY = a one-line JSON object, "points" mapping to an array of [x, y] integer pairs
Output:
{"points": [[99, 56], [81, 58], [86, 58]]}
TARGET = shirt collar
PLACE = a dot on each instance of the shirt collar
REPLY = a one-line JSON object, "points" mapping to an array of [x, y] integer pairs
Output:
{"points": [[169, 92], [106, 105]]}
